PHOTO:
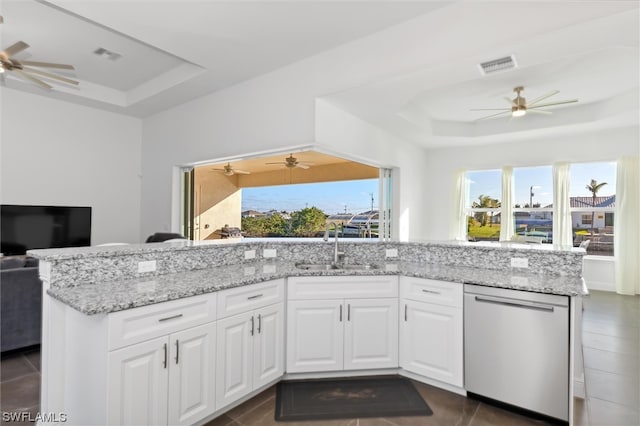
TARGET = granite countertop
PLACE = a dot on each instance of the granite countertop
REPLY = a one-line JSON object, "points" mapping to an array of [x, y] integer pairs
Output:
{"points": [[112, 296]]}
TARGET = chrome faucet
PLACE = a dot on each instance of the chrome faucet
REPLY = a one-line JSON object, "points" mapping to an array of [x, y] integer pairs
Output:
{"points": [[337, 255]]}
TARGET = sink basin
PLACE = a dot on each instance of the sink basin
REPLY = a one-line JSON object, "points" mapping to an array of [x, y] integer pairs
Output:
{"points": [[331, 266]]}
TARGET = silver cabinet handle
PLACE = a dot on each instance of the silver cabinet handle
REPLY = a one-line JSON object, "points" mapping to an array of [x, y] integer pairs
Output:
{"points": [[524, 305], [255, 296], [177, 350], [170, 318], [405, 312], [424, 290], [349, 312], [340, 313], [259, 323], [164, 363], [252, 326]]}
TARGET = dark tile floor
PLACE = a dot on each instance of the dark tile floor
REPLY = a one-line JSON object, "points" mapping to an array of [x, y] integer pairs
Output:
{"points": [[611, 347]]}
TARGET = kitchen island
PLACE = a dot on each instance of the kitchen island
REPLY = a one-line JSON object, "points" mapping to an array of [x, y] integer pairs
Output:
{"points": [[182, 302]]}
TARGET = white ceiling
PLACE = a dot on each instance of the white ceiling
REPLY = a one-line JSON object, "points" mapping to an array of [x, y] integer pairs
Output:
{"points": [[176, 50]]}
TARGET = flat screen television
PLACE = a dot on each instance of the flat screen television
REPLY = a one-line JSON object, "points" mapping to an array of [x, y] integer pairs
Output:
{"points": [[37, 227]]}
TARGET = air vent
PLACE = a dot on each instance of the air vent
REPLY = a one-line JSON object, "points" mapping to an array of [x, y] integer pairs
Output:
{"points": [[508, 62], [106, 54]]}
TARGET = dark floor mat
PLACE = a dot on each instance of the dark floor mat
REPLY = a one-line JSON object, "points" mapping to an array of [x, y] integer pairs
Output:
{"points": [[348, 398]]}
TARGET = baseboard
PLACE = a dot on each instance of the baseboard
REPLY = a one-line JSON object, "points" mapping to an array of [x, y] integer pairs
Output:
{"points": [[337, 374], [432, 382], [579, 391], [601, 286]]}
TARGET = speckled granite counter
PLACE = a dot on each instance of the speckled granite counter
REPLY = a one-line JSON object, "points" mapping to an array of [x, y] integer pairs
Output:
{"points": [[111, 296]]}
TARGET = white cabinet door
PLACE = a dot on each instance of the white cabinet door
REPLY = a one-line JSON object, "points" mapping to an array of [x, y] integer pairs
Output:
{"points": [[191, 374], [138, 384], [314, 335], [371, 334], [268, 345], [234, 361], [431, 341]]}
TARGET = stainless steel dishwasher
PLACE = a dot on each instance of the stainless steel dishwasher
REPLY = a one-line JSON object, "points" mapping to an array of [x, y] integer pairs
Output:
{"points": [[516, 348]]}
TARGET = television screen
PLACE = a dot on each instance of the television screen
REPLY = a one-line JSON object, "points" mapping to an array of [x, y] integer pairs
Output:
{"points": [[37, 227]]}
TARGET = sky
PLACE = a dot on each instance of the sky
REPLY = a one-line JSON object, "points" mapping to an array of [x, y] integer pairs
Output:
{"points": [[488, 182], [330, 197]]}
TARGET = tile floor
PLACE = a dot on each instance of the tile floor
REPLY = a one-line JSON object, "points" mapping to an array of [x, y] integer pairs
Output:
{"points": [[611, 347]]}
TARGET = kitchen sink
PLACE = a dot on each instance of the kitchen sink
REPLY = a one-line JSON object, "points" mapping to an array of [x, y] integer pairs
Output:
{"points": [[332, 266]]}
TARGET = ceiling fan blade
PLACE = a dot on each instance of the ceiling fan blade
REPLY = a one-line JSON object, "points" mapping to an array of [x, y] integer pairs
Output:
{"points": [[241, 172], [493, 115], [32, 79], [279, 163], [15, 48], [539, 111], [508, 100], [570, 101], [302, 166], [542, 98], [490, 109], [48, 65], [49, 75]]}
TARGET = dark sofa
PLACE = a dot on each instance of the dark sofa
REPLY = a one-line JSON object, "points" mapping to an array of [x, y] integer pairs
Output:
{"points": [[20, 303]]}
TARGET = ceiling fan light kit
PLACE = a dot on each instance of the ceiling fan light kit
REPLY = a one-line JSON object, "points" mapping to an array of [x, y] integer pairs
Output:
{"points": [[230, 171], [25, 71], [520, 106], [292, 162]]}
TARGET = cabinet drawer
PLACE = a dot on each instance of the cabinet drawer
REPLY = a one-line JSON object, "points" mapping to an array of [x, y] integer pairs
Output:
{"points": [[432, 291], [309, 288], [242, 299], [139, 324]]}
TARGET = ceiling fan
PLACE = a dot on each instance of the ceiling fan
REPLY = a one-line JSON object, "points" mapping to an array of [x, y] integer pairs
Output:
{"points": [[230, 171], [520, 106], [292, 162], [25, 70]]}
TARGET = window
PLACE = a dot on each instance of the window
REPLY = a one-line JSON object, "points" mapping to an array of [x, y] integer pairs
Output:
{"points": [[533, 202], [483, 205], [592, 204], [592, 201], [294, 195]]}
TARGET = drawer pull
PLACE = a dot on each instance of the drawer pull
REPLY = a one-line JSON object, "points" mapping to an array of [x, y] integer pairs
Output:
{"points": [[405, 312], [252, 325], [169, 318], [259, 323], [254, 296], [177, 350], [349, 312], [341, 313], [164, 363], [424, 290]]}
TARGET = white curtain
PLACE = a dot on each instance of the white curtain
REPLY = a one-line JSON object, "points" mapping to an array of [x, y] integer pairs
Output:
{"points": [[458, 221], [506, 205], [627, 226], [562, 226]]}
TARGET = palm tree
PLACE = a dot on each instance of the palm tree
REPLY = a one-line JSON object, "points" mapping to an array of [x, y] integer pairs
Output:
{"points": [[594, 187], [485, 202]]}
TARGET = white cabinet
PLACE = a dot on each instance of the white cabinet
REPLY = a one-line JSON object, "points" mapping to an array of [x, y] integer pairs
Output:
{"points": [[138, 385], [250, 349], [164, 380], [431, 329], [314, 335], [326, 332], [371, 334], [191, 374]]}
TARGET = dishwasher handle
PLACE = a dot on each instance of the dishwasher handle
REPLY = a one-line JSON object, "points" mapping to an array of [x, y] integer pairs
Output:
{"points": [[515, 304]]}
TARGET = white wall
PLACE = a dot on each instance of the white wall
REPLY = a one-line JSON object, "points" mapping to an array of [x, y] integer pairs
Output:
{"points": [[58, 153], [339, 131]]}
